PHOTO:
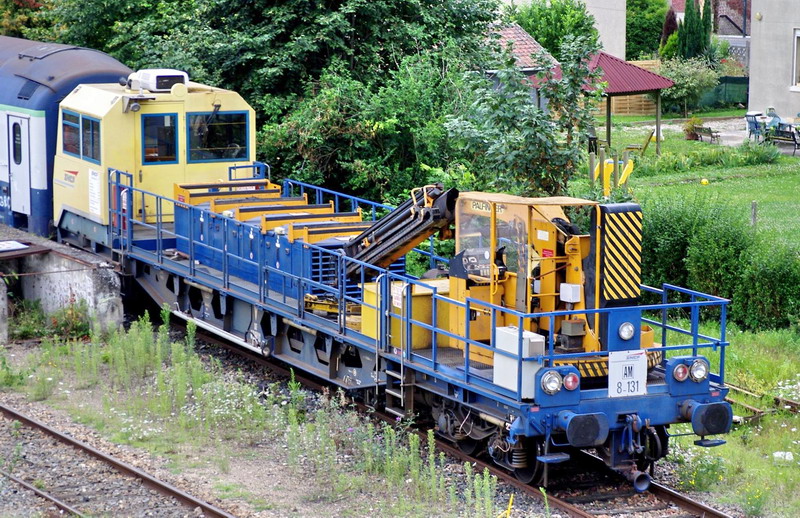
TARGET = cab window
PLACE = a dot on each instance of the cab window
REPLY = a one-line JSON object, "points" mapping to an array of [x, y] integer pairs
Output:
{"points": [[80, 136], [159, 139], [71, 134], [217, 137], [90, 139]]}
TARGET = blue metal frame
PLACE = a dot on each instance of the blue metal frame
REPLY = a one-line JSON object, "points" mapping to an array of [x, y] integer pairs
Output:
{"points": [[189, 134], [280, 289], [175, 138]]}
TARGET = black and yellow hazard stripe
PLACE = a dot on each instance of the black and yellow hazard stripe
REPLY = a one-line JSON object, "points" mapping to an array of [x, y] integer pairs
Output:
{"points": [[622, 255], [596, 367]]}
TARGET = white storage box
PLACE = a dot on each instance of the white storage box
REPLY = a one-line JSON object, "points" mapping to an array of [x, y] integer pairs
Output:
{"points": [[506, 370]]}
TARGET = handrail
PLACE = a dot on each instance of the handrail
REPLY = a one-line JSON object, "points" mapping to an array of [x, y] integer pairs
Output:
{"points": [[260, 170], [334, 285]]}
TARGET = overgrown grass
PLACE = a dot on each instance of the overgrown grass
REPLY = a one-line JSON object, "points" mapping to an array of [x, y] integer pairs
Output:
{"points": [[157, 393], [28, 320], [744, 470]]}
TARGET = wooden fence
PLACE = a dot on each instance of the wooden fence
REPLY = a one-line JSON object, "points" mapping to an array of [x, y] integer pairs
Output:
{"points": [[633, 104]]}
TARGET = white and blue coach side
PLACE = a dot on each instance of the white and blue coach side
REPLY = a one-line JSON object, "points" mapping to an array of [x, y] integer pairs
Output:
{"points": [[34, 78]]}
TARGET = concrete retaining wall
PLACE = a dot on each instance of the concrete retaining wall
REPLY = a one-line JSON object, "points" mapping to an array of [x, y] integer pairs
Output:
{"points": [[96, 284], [58, 277]]}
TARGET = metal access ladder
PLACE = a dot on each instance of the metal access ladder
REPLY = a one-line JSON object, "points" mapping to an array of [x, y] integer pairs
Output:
{"points": [[399, 388]]}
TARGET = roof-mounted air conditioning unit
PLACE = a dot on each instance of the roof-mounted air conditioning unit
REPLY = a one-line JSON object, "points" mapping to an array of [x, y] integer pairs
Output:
{"points": [[157, 79]]}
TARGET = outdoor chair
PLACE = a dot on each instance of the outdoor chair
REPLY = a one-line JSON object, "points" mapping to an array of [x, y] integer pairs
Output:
{"points": [[774, 122], [754, 128], [641, 148]]}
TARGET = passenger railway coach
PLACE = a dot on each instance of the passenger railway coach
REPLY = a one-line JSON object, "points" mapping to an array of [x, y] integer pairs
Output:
{"points": [[34, 78]]}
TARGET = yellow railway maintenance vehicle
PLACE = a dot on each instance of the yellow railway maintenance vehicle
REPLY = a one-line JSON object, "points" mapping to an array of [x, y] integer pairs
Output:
{"points": [[156, 125]]}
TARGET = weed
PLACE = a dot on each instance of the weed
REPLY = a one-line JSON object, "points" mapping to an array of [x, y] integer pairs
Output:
{"points": [[546, 502], [230, 490], [71, 321], [754, 500], [224, 462], [38, 484], [9, 377], [43, 383], [26, 319], [701, 473], [293, 437]]}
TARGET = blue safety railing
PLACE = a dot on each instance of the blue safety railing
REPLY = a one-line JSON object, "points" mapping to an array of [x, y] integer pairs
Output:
{"points": [[397, 324], [258, 170]]}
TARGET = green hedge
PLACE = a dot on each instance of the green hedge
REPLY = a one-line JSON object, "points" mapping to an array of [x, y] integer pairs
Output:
{"points": [[703, 244], [768, 292]]}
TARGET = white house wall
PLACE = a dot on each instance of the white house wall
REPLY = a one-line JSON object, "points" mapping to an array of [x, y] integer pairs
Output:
{"points": [[772, 54], [609, 16], [610, 22]]}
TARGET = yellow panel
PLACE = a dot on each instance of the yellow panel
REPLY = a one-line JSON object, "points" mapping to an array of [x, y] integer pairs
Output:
{"points": [[290, 208], [315, 218], [421, 310], [302, 233], [218, 205], [195, 193]]}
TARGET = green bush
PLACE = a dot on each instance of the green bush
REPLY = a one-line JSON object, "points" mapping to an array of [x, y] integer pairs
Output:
{"points": [[702, 244], [767, 296], [26, 320], [715, 248], [667, 229], [701, 473]]}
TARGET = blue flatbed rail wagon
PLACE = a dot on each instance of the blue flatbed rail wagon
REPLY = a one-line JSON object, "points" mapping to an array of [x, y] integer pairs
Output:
{"points": [[530, 342], [526, 384]]}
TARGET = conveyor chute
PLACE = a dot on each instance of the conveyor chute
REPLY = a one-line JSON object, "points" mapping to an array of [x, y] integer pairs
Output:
{"points": [[430, 209]]}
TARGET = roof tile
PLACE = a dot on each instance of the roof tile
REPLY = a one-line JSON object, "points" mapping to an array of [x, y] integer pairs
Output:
{"points": [[523, 45]]}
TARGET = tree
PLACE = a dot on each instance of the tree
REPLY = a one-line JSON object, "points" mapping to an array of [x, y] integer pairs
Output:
{"points": [[670, 26], [374, 140], [708, 21], [693, 77], [549, 21], [693, 39], [17, 16], [517, 146], [643, 27], [275, 47]]}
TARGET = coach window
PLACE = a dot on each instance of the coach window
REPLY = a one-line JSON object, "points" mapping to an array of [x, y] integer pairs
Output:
{"points": [[71, 135], [90, 143], [16, 135], [217, 137], [159, 139]]}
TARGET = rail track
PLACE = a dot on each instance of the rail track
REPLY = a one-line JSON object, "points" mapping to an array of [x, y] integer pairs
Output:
{"points": [[85, 497], [778, 404], [615, 498]]}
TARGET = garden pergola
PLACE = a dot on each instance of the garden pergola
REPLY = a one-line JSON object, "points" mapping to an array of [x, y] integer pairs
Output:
{"points": [[623, 78]]}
